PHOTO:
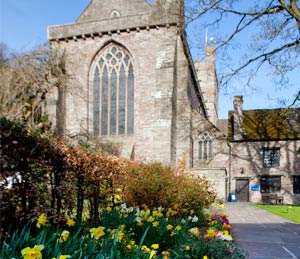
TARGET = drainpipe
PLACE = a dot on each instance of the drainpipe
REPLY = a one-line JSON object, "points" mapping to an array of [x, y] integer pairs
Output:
{"points": [[229, 167]]}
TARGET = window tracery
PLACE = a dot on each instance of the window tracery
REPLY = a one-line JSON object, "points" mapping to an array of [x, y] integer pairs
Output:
{"points": [[113, 91], [205, 148]]}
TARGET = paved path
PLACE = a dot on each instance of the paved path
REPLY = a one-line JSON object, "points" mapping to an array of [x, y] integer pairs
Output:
{"points": [[262, 234]]}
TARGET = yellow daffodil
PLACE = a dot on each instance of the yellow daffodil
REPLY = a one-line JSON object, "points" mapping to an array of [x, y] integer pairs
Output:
{"points": [[205, 257], [210, 233], [152, 254], [122, 227], [146, 249], [150, 219], [70, 223], [42, 220], [187, 248], [195, 232], [129, 247], [120, 236], [97, 232], [169, 227], [155, 224], [155, 246], [140, 224], [178, 228], [157, 214], [64, 236], [63, 257], [32, 253]]}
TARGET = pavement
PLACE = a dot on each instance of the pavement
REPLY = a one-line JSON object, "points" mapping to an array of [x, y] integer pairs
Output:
{"points": [[262, 234]]}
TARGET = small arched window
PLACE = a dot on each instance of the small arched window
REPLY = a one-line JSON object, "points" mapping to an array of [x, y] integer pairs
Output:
{"points": [[114, 14], [113, 91], [205, 148]]}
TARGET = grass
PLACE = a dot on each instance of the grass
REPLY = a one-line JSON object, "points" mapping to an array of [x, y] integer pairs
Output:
{"points": [[290, 212]]}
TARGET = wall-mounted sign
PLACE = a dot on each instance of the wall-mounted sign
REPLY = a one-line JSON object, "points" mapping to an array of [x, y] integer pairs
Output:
{"points": [[255, 187], [231, 197]]}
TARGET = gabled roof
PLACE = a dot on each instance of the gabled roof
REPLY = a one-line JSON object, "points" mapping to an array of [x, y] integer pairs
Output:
{"points": [[108, 16], [273, 124], [104, 9]]}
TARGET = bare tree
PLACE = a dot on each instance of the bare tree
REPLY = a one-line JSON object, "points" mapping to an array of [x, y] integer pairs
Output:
{"points": [[263, 32], [25, 80]]}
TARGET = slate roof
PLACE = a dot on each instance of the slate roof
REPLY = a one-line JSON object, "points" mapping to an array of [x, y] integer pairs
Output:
{"points": [[274, 124]]}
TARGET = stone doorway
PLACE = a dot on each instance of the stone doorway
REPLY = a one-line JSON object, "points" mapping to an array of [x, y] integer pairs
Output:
{"points": [[242, 190]]}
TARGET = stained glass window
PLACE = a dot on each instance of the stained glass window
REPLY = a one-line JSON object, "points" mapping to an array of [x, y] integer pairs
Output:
{"points": [[96, 102], [113, 92]]}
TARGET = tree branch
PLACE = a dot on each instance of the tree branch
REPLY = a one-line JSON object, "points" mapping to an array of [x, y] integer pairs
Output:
{"points": [[265, 56]]}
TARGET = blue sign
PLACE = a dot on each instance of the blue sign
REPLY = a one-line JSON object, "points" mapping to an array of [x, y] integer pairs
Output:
{"points": [[231, 197], [255, 187]]}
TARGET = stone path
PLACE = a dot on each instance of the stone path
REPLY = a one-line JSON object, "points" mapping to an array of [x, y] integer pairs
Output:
{"points": [[262, 234]]}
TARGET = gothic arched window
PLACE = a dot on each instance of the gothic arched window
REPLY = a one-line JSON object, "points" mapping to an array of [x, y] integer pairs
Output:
{"points": [[113, 91], [205, 148]]}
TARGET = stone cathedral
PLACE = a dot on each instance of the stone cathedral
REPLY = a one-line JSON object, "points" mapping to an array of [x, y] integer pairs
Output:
{"points": [[133, 83]]}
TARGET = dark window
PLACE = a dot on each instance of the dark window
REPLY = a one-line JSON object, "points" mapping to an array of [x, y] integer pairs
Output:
{"points": [[269, 184], [296, 184], [271, 157], [113, 93], [200, 150], [205, 150]]}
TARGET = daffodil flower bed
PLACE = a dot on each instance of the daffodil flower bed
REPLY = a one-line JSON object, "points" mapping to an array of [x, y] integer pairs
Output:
{"points": [[125, 233]]}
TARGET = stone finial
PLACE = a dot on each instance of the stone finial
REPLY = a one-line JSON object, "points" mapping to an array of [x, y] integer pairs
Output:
{"points": [[210, 54], [238, 118]]}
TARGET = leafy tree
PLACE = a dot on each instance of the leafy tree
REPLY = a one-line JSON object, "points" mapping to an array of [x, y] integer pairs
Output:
{"points": [[265, 33]]}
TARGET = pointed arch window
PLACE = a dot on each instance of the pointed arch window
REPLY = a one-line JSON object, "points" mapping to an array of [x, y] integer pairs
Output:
{"points": [[113, 92], [205, 148]]}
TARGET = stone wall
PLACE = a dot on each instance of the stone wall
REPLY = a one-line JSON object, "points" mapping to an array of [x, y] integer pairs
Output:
{"points": [[207, 76], [154, 82], [218, 177], [247, 162]]}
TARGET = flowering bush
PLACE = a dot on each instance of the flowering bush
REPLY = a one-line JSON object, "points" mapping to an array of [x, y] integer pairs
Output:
{"points": [[126, 232], [157, 185]]}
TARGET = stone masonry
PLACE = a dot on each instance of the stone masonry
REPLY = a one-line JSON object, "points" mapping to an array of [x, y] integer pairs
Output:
{"points": [[175, 101]]}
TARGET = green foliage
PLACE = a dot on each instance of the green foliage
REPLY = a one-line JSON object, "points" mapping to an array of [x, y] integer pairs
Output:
{"points": [[128, 233]]}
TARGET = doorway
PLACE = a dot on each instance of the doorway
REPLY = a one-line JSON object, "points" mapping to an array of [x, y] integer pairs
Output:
{"points": [[242, 190]]}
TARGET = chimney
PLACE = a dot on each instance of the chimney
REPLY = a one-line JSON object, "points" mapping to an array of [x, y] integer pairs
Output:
{"points": [[238, 118]]}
